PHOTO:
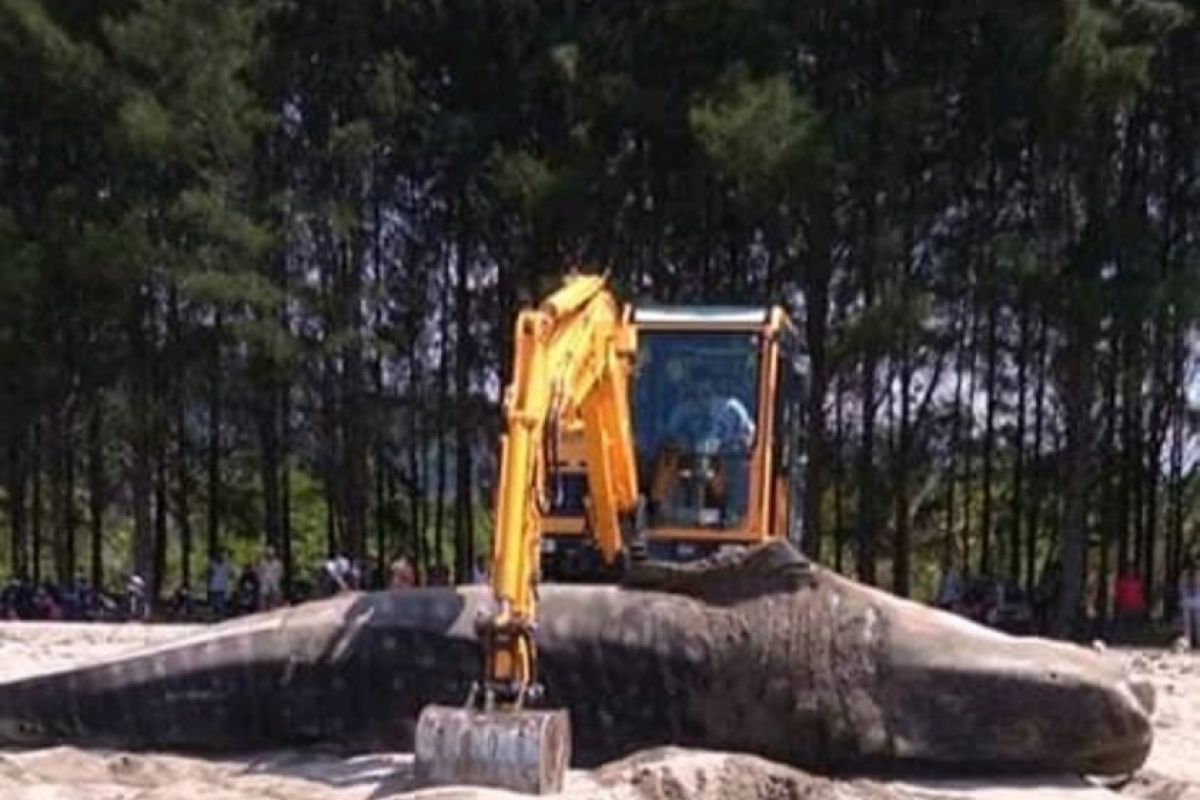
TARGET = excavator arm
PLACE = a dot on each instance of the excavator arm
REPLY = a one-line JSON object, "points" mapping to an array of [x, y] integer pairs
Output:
{"points": [[573, 356]]}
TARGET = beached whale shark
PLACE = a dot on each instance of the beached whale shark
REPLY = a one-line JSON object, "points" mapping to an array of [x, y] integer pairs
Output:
{"points": [[763, 653]]}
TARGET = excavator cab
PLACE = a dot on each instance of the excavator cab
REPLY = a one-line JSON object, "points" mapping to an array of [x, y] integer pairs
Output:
{"points": [[717, 400]]}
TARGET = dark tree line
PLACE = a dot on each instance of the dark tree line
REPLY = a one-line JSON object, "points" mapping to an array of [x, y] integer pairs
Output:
{"points": [[259, 263]]}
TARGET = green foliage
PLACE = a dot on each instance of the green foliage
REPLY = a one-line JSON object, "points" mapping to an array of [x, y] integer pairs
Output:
{"points": [[756, 131], [391, 92], [19, 264], [147, 126], [1094, 69], [521, 180], [231, 290]]}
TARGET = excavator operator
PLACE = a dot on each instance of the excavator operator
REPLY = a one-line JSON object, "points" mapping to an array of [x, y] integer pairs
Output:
{"points": [[714, 428], [709, 421]]}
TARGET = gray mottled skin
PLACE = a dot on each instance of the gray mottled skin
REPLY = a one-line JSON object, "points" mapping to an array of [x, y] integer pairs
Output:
{"points": [[796, 664]]}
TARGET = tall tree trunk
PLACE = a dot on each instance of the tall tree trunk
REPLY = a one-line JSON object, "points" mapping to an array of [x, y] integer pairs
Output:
{"points": [[1157, 425], [1077, 387], [868, 516], [35, 558], [15, 485], [57, 487], [1123, 499], [989, 435], [354, 416], [331, 457], [967, 440], [902, 564], [159, 432], [968, 435], [285, 489], [817, 274], [67, 448], [158, 572], [69, 515], [382, 470], [1176, 486], [284, 404], [464, 523], [839, 492], [357, 483], [950, 552], [1175, 479], [143, 417], [867, 486], [1153, 469], [1018, 467], [1032, 571], [439, 553], [268, 462], [1108, 480], [183, 490], [1134, 460], [215, 401], [96, 490], [183, 483], [381, 544], [416, 456]]}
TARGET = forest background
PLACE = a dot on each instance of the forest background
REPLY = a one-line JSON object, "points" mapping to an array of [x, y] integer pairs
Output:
{"points": [[260, 259]]}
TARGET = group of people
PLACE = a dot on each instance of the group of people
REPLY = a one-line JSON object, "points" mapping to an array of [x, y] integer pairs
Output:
{"points": [[403, 574], [227, 591], [1130, 605], [992, 601], [257, 587], [75, 600]]}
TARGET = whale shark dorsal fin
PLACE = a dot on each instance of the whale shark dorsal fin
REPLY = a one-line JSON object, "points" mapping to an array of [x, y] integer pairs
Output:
{"points": [[728, 576]]}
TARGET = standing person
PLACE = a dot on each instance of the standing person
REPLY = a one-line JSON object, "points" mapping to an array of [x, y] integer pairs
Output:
{"points": [[481, 573], [403, 574], [135, 592], [950, 588], [249, 589], [1129, 604], [220, 576], [270, 576], [1189, 603], [335, 575], [1048, 589]]}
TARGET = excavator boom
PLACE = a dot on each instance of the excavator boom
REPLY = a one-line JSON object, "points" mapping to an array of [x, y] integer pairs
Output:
{"points": [[572, 360]]}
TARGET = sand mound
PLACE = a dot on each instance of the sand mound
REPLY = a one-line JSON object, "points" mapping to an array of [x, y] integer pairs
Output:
{"points": [[66, 773]]}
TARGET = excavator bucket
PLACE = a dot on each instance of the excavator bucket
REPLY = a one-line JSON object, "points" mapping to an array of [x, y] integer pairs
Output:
{"points": [[524, 750]]}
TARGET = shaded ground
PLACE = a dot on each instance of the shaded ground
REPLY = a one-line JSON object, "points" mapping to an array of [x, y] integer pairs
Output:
{"points": [[67, 773]]}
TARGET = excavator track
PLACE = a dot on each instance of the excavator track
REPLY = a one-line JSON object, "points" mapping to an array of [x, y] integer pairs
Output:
{"points": [[526, 750]]}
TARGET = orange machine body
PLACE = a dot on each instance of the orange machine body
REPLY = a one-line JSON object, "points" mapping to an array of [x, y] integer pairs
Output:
{"points": [[755, 352]]}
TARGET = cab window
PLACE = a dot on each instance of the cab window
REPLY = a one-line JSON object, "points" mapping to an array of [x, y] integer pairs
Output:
{"points": [[695, 424]]}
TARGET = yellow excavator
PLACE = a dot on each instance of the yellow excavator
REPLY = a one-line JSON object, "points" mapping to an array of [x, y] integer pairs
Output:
{"points": [[631, 434]]}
